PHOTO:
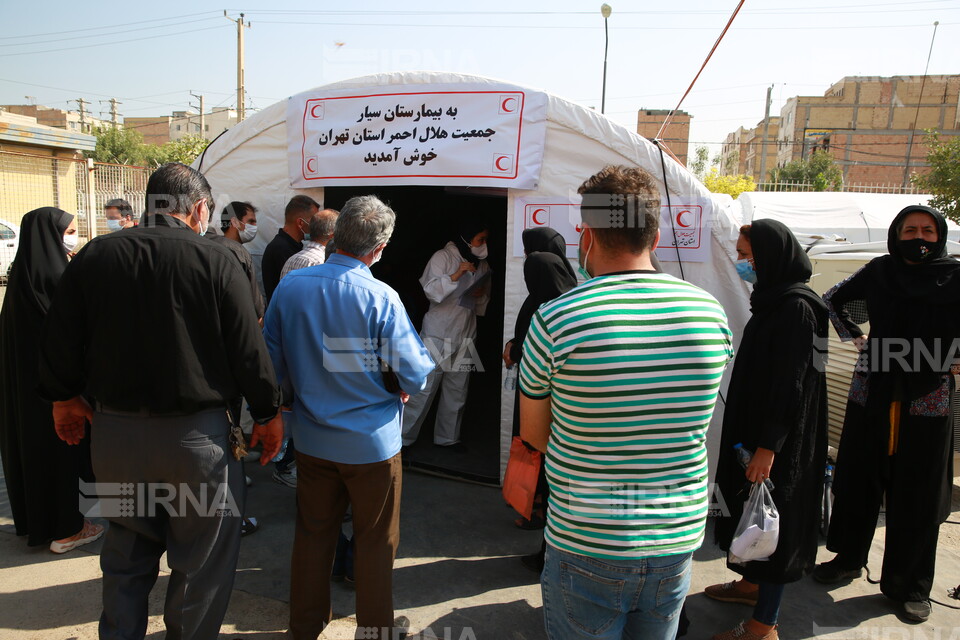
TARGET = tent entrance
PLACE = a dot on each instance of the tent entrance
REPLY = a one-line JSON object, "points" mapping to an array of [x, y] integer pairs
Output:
{"points": [[427, 218]]}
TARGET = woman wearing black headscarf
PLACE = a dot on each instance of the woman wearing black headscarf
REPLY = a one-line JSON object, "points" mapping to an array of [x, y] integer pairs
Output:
{"points": [[547, 274], [776, 407], [896, 431], [456, 280], [40, 469]]}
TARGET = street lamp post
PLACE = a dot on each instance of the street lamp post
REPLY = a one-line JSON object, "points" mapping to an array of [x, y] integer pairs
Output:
{"points": [[605, 12]]}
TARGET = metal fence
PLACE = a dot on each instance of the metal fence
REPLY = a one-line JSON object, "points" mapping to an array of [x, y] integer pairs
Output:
{"points": [[73, 184], [849, 188]]}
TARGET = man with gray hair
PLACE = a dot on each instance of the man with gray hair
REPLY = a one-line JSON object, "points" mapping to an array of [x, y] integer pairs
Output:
{"points": [[314, 248], [349, 365]]}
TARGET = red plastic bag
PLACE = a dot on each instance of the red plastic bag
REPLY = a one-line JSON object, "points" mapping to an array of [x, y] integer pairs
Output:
{"points": [[520, 480]]}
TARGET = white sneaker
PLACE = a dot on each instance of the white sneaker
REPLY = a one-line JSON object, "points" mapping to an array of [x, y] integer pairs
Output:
{"points": [[89, 533], [287, 478]]}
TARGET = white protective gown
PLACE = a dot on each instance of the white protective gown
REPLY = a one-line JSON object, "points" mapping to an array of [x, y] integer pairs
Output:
{"points": [[449, 329]]}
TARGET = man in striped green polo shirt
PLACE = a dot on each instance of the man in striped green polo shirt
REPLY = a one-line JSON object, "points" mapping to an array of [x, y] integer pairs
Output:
{"points": [[619, 378]]}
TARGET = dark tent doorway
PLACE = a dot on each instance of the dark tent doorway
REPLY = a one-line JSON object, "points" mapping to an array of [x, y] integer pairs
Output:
{"points": [[427, 219]]}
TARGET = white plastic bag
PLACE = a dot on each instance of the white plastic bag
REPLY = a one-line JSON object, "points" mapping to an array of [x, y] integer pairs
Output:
{"points": [[759, 527]]}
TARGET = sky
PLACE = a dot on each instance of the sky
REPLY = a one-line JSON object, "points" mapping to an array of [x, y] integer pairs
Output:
{"points": [[152, 56]]}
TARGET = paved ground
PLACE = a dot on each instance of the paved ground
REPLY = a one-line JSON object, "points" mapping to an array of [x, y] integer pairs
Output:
{"points": [[457, 576]]}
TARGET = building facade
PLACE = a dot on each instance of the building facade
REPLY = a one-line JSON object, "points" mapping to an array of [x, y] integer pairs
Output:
{"points": [[58, 118], [743, 150], [163, 129], [40, 166], [677, 134], [872, 126]]}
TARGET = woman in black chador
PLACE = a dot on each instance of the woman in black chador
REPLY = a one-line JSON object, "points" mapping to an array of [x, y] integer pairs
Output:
{"points": [[41, 470], [548, 275], [896, 433], [777, 408]]}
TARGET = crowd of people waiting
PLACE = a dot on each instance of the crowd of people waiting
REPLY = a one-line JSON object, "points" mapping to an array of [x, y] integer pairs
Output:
{"points": [[618, 381]]}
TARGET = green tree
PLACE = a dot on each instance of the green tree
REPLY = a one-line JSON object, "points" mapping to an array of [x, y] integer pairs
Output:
{"points": [[819, 172], [184, 150], [701, 162], [733, 185], [120, 146], [943, 181]]}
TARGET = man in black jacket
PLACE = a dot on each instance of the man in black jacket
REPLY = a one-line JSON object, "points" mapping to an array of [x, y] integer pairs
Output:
{"points": [[163, 438], [288, 241]]}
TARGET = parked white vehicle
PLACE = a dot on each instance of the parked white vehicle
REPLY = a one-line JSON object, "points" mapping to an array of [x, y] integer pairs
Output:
{"points": [[9, 241]]}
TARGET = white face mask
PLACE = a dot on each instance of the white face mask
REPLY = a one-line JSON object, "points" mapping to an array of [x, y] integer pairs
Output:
{"points": [[70, 242], [248, 233], [114, 225], [204, 224], [479, 252]]}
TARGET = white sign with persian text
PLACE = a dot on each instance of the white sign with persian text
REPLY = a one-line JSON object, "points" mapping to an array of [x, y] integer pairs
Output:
{"points": [[478, 135]]}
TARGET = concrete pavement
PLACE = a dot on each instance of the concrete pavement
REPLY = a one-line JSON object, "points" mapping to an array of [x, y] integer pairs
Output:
{"points": [[457, 576]]}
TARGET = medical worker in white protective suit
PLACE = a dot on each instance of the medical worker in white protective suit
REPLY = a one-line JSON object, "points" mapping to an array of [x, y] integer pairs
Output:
{"points": [[456, 280]]}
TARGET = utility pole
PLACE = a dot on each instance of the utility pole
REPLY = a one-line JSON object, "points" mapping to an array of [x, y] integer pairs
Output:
{"points": [[766, 131], [202, 122], [83, 114], [113, 111], [241, 111]]}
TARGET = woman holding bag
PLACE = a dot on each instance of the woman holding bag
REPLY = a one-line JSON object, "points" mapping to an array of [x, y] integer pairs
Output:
{"points": [[547, 274], [777, 408]]}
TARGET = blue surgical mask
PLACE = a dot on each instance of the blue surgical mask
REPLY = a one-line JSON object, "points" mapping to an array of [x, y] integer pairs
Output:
{"points": [[745, 271], [113, 225]]}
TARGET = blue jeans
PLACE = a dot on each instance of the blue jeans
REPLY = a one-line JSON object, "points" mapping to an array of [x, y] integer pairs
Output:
{"points": [[767, 609], [586, 597]]}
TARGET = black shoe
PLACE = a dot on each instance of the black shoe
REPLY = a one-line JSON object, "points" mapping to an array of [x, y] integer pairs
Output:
{"points": [[533, 561], [833, 572], [917, 610]]}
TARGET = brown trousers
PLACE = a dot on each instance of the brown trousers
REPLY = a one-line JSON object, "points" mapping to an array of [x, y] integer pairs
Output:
{"points": [[324, 489]]}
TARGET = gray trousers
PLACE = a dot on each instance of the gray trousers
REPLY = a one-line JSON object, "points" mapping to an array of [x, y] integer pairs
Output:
{"points": [[453, 386], [181, 492]]}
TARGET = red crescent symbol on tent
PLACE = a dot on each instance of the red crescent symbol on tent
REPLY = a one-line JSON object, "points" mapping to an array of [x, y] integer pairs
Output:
{"points": [[313, 110], [534, 216], [496, 163], [578, 228], [311, 169], [503, 105], [680, 219]]}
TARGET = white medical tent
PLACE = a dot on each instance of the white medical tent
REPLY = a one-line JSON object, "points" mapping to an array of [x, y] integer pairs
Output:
{"points": [[250, 162], [853, 217]]}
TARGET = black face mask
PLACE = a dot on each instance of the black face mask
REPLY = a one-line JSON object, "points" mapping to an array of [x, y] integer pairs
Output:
{"points": [[917, 249]]}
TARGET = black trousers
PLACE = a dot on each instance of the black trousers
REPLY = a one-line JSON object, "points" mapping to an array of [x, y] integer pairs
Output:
{"points": [[916, 480], [176, 488]]}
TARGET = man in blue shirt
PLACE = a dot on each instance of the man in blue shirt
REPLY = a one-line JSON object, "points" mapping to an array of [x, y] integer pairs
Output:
{"points": [[347, 353]]}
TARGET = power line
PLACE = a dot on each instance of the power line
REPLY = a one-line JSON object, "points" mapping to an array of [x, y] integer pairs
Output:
{"points": [[410, 12], [587, 28], [113, 26], [103, 35], [107, 44]]}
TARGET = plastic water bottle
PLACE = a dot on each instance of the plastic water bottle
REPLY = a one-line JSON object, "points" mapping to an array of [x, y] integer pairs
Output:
{"points": [[510, 380], [744, 456], [285, 414], [283, 451]]}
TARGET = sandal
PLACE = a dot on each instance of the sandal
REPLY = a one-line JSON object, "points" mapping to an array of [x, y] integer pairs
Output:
{"points": [[89, 533]]}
